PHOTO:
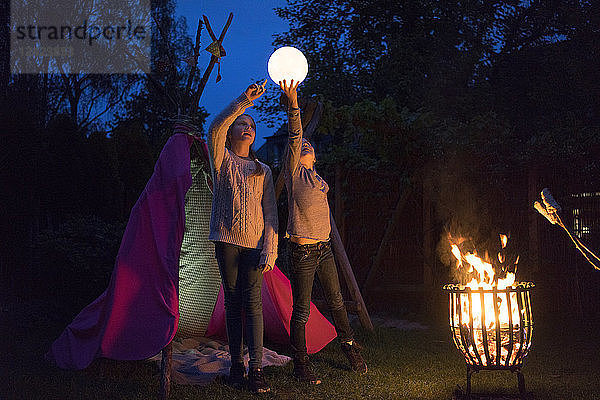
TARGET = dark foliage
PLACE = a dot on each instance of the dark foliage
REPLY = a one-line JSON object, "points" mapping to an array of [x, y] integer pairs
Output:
{"points": [[73, 262], [474, 103]]}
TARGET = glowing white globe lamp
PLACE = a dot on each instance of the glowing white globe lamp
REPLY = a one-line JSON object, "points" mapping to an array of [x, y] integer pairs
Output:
{"points": [[287, 63]]}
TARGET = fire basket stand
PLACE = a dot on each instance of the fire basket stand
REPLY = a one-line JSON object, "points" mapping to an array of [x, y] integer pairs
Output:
{"points": [[492, 327]]}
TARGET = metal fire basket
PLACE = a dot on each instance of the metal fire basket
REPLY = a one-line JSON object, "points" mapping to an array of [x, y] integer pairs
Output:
{"points": [[499, 340]]}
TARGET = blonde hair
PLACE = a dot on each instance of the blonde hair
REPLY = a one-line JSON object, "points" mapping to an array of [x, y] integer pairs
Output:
{"points": [[259, 169]]}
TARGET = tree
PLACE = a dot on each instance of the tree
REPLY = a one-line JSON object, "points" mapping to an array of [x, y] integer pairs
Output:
{"points": [[135, 162], [374, 49], [477, 93], [4, 49], [470, 66], [163, 95]]}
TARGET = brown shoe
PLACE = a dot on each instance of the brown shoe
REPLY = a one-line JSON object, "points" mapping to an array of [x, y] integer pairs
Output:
{"points": [[352, 353], [237, 373], [303, 371], [257, 381]]}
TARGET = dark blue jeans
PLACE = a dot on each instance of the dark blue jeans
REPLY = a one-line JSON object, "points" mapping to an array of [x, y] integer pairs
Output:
{"points": [[305, 261], [242, 281]]}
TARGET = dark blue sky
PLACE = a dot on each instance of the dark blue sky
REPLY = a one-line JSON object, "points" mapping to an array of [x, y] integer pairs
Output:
{"points": [[248, 45]]}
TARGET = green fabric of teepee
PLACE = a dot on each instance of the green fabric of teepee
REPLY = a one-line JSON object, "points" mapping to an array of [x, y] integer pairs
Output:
{"points": [[199, 278]]}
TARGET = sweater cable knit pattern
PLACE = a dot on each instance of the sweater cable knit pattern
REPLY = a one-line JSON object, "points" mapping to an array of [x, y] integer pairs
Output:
{"points": [[244, 211]]}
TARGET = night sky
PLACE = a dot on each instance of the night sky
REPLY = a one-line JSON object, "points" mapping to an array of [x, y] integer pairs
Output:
{"points": [[248, 45]]}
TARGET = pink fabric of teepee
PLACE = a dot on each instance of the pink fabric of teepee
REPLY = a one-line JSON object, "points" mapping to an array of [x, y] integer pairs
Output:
{"points": [[277, 311]]}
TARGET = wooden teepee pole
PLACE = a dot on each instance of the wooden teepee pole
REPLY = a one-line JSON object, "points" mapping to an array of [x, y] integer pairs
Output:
{"points": [[165, 371], [211, 64], [195, 55], [167, 351], [344, 264]]}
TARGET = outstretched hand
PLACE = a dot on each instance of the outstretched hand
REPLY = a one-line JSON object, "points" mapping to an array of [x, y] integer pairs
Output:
{"points": [[291, 92], [255, 90]]}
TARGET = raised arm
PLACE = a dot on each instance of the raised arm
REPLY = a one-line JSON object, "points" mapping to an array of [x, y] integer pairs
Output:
{"points": [[294, 127], [270, 216], [217, 132]]}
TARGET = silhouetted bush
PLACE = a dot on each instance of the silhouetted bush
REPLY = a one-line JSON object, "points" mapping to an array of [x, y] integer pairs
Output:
{"points": [[75, 261]]}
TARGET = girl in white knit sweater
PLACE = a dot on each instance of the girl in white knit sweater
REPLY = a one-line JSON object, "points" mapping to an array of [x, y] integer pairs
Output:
{"points": [[243, 226]]}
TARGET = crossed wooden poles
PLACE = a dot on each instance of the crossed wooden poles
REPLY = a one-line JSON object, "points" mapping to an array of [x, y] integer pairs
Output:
{"points": [[189, 104]]}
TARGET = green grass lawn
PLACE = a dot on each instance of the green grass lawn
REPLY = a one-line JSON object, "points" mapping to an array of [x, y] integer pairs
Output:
{"points": [[563, 365]]}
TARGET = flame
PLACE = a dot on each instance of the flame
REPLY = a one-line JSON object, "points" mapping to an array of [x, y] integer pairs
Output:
{"points": [[471, 303], [456, 252], [503, 240]]}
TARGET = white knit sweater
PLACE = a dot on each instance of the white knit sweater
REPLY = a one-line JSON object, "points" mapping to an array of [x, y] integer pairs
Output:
{"points": [[244, 211]]}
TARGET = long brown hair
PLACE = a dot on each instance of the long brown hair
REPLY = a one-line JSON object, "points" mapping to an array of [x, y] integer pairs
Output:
{"points": [[258, 170]]}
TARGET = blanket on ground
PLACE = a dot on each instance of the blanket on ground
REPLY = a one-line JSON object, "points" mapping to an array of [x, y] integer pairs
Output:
{"points": [[198, 361]]}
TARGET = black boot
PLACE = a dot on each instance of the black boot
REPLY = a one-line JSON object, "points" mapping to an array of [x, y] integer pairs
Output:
{"points": [[352, 352], [237, 373], [257, 381], [303, 371]]}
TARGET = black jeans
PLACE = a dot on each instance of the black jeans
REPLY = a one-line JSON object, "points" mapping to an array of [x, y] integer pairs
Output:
{"points": [[305, 261], [242, 281]]}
